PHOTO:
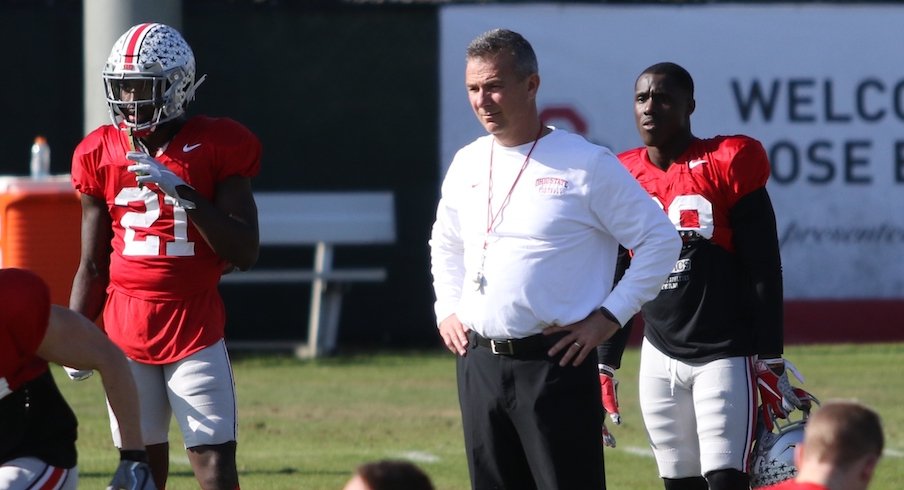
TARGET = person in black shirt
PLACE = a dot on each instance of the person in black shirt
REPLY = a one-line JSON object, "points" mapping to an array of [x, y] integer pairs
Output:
{"points": [[716, 325]]}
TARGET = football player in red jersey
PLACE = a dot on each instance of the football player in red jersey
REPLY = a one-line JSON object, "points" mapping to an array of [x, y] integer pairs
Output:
{"points": [[37, 426], [167, 206], [719, 313]]}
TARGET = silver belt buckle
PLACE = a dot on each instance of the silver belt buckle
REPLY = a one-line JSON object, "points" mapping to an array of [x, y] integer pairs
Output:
{"points": [[501, 347]]}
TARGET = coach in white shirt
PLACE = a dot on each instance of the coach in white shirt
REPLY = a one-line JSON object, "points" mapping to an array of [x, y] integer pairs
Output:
{"points": [[523, 258]]}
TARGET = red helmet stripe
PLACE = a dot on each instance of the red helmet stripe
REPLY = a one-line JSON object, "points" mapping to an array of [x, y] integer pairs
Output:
{"points": [[133, 45]]}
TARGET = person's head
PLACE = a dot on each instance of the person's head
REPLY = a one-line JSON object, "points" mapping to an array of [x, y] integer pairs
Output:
{"points": [[149, 77], [389, 475], [502, 79], [663, 104], [842, 445]]}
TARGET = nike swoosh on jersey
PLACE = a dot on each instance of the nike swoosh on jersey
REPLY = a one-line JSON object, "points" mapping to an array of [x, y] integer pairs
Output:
{"points": [[187, 148], [694, 163]]}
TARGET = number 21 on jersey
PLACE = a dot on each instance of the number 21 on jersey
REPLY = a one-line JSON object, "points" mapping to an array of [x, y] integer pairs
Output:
{"points": [[150, 245]]}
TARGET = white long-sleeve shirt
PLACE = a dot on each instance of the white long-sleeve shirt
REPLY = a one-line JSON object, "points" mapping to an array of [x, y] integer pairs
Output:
{"points": [[550, 256]]}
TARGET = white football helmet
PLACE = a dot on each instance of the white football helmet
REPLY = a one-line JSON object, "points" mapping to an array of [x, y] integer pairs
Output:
{"points": [[156, 59], [772, 459]]}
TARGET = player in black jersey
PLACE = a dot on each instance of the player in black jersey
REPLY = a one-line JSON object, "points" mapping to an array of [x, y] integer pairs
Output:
{"points": [[716, 326]]}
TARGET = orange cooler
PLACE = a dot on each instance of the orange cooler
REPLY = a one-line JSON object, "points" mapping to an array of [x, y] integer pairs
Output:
{"points": [[40, 222]]}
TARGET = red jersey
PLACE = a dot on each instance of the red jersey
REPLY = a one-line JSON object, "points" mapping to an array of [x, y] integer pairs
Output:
{"points": [[699, 190], [703, 311], [793, 485], [163, 300], [23, 323]]}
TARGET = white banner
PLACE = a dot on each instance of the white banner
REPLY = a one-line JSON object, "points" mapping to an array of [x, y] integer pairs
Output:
{"points": [[822, 86]]}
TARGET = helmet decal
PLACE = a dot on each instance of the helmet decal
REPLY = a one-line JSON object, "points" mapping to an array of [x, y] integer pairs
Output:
{"points": [[773, 455], [772, 458], [134, 37]]}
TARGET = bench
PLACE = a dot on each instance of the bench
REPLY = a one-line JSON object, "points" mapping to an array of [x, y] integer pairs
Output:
{"points": [[323, 220]]}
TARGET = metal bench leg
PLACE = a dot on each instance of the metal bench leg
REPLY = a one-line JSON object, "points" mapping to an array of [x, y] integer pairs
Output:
{"points": [[323, 263], [329, 319]]}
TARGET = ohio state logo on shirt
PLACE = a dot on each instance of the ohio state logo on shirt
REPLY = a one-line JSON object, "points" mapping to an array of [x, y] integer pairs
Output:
{"points": [[551, 186]]}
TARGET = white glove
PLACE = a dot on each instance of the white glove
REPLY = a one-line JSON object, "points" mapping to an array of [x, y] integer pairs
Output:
{"points": [[149, 171], [78, 374], [132, 475], [608, 438]]}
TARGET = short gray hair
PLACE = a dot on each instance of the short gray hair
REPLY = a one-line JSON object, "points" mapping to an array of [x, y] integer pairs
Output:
{"points": [[492, 43]]}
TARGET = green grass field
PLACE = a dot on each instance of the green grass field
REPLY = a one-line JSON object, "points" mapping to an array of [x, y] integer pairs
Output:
{"points": [[307, 424]]}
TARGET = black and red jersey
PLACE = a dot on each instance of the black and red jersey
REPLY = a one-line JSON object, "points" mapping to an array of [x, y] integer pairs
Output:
{"points": [[35, 420], [723, 298]]}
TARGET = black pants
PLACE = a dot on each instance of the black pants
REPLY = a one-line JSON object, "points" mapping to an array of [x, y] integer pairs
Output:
{"points": [[36, 421], [530, 424]]}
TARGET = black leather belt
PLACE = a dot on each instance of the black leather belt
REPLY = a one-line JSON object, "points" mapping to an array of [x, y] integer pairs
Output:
{"points": [[527, 346]]}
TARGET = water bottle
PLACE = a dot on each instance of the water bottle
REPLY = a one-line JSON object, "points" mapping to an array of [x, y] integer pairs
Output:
{"points": [[40, 158]]}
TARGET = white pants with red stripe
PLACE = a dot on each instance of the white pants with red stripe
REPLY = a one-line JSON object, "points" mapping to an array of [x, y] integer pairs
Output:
{"points": [[699, 417], [34, 474]]}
